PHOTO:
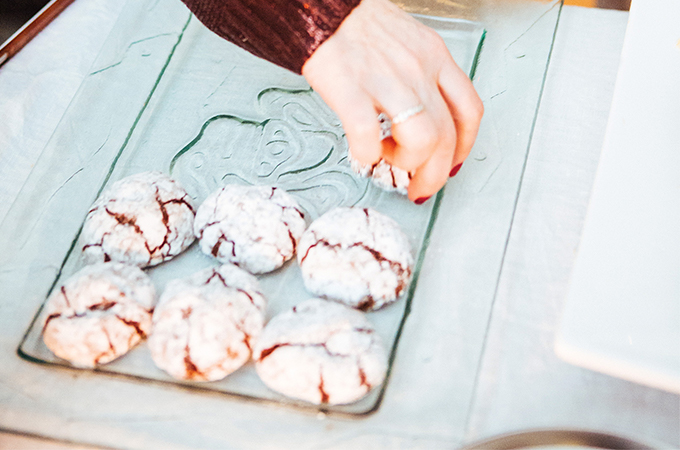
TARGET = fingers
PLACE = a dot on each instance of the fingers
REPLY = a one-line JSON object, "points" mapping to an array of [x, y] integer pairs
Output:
{"points": [[456, 111], [430, 177], [358, 115], [423, 143], [414, 138], [382, 60], [361, 128], [433, 173], [465, 106], [428, 144]]}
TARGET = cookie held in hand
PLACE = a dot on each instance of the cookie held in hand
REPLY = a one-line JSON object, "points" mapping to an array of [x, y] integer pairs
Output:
{"points": [[384, 175]]}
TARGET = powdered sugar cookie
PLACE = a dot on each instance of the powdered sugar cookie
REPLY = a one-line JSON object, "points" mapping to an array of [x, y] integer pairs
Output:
{"points": [[383, 174], [204, 325], [99, 314], [143, 220], [356, 256], [254, 227], [321, 352]]}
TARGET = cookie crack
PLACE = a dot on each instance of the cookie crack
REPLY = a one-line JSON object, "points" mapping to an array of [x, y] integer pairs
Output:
{"points": [[362, 377], [49, 319], [394, 180], [165, 218], [220, 240], [246, 336], [368, 303], [124, 220], [401, 272], [63, 292], [302, 215], [206, 226], [250, 297], [180, 201], [191, 369], [111, 349], [218, 275], [324, 394], [103, 306], [268, 351], [133, 324], [394, 265], [292, 239], [189, 366], [284, 208], [318, 242], [364, 330], [99, 244]]}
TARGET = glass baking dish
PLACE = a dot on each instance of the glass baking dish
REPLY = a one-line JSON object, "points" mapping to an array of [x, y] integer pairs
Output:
{"points": [[166, 94]]}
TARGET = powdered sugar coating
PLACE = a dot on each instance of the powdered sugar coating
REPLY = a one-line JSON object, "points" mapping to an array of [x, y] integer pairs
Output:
{"points": [[356, 256], [321, 352], [142, 220], [99, 314], [383, 175], [254, 227], [205, 325]]}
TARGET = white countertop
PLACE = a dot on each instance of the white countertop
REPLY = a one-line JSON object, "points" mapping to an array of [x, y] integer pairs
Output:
{"points": [[510, 378]]}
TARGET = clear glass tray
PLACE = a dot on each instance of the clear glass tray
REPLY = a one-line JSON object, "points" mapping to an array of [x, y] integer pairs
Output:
{"points": [[166, 94]]}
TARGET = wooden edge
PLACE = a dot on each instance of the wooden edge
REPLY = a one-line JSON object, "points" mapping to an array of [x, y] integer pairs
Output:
{"points": [[34, 26]]}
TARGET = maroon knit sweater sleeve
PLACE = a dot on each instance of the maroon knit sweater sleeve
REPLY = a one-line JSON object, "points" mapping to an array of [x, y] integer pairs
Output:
{"points": [[285, 32]]}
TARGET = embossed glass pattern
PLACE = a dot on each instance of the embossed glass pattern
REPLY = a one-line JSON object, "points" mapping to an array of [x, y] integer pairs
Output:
{"points": [[166, 94]]}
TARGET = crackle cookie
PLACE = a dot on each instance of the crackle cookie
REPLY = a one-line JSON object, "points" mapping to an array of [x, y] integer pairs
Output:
{"points": [[99, 314], [383, 174], [255, 227], [321, 352], [205, 325], [356, 256], [143, 220]]}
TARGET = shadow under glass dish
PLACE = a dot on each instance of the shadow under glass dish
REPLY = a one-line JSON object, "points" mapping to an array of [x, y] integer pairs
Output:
{"points": [[166, 94]]}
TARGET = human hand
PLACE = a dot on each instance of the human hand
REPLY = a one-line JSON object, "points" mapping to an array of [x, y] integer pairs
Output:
{"points": [[381, 59]]}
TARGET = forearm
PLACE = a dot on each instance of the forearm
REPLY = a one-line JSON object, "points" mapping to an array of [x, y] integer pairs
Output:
{"points": [[285, 32]]}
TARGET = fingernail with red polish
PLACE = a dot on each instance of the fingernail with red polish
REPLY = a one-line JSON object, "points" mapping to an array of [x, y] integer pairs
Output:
{"points": [[455, 170], [421, 200]]}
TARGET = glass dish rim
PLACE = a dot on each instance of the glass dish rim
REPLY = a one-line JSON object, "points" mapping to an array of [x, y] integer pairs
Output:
{"points": [[205, 389]]}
